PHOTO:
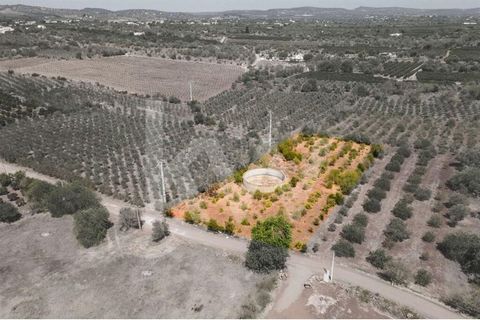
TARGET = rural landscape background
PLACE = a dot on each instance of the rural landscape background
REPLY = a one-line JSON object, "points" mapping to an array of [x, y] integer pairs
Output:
{"points": [[128, 139]]}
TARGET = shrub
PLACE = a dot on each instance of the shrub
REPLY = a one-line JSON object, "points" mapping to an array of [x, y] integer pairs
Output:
{"points": [[422, 194], [383, 183], [5, 179], [468, 303], [435, 221], [360, 219], [402, 210], [428, 236], [372, 205], [160, 230], [213, 226], [378, 258], [293, 181], [275, 231], [456, 214], [467, 181], [38, 192], [91, 226], [238, 175], [423, 277], [347, 180], [287, 149], [455, 199], [257, 195], [396, 230], [3, 190], [192, 217], [70, 198], [343, 249], [354, 233], [263, 257], [463, 248], [395, 272], [377, 193], [229, 226], [129, 218], [9, 213]]}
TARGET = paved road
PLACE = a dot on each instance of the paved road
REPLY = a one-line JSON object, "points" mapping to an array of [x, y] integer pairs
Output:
{"points": [[300, 267]]}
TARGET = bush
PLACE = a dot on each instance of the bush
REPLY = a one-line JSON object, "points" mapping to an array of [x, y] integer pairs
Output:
{"points": [[5, 179], [275, 231], [395, 272], [423, 277], [422, 194], [467, 181], [402, 210], [435, 221], [3, 190], [468, 303], [372, 205], [343, 249], [129, 218], [347, 180], [38, 192], [456, 214], [160, 230], [396, 231], [9, 213], [263, 257], [70, 198], [378, 258], [213, 226], [463, 248], [429, 237], [91, 226], [354, 233], [192, 217], [229, 226], [360, 219], [377, 193]]}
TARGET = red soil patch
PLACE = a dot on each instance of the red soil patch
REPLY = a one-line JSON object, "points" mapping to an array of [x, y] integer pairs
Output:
{"points": [[232, 200]]}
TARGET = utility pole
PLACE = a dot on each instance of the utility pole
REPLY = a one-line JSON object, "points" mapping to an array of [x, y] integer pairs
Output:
{"points": [[333, 263], [270, 131], [138, 218], [163, 183], [191, 91]]}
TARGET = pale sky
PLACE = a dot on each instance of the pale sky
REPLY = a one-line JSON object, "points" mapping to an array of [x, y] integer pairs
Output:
{"points": [[221, 5]]}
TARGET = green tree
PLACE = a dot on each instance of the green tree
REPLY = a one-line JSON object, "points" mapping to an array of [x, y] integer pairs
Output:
{"points": [[160, 230], [263, 257], [91, 226], [70, 198], [275, 231], [8, 213], [343, 249], [378, 258], [423, 277], [396, 231]]}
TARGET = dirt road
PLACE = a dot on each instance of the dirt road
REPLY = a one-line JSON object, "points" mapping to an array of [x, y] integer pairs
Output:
{"points": [[300, 267]]}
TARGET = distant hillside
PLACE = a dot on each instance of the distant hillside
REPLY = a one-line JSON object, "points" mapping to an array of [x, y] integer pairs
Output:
{"points": [[288, 13]]}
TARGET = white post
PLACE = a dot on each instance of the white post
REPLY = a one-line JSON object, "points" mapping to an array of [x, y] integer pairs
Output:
{"points": [[191, 93], [333, 263], [270, 131], [163, 183]]}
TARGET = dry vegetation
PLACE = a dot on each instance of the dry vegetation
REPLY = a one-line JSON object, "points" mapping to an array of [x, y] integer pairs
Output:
{"points": [[46, 274], [308, 195], [143, 75]]}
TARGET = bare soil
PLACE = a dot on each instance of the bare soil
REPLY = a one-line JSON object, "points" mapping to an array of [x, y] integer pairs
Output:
{"points": [[328, 301], [136, 74], [46, 274], [232, 200]]}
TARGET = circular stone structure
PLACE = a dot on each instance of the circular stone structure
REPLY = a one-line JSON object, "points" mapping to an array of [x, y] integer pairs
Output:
{"points": [[265, 180]]}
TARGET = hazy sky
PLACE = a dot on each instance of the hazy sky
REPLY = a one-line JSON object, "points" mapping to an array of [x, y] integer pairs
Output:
{"points": [[220, 5]]}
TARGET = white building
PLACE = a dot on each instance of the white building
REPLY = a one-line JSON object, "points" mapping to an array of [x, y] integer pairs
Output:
{"points": [[3, 30]]}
